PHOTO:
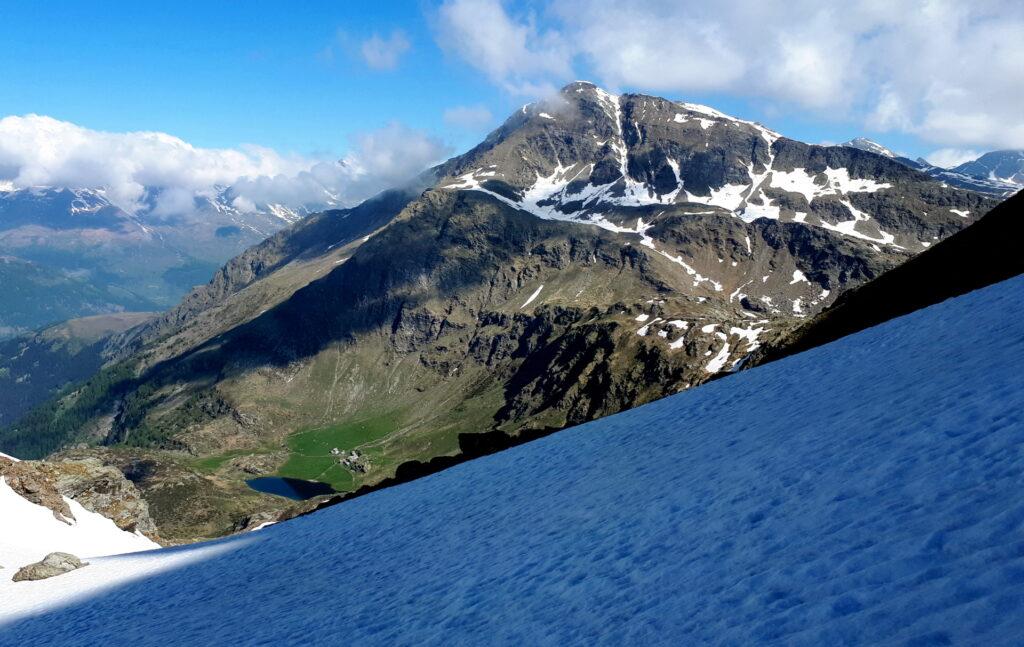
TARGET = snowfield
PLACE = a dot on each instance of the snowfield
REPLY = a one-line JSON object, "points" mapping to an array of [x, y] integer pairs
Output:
{"points": [[866, 492]]}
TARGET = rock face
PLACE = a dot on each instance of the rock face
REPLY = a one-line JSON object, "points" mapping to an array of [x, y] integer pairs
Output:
{"points": [[52, 565], [983, 254], [97, 487], [594, 253]]}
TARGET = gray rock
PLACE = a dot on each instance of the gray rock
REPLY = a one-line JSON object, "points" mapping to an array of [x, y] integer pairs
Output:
{"points": [[52, 565], [98, 488]]}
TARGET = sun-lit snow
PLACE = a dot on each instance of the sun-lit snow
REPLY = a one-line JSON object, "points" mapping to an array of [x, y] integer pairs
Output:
{"points": [[728, 196], [793, 504], [837, 181], [717, 363], [533, 296], [849, 227], [704, 123], [646, 327], [749, 334], [698, 278]]}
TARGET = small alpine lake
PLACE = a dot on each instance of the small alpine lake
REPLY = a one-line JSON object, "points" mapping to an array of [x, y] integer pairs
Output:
{"points": [[297, 489]]}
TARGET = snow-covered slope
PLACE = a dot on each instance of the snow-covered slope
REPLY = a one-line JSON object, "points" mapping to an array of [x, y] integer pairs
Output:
{"points": [[795, 503], [28, 532]]}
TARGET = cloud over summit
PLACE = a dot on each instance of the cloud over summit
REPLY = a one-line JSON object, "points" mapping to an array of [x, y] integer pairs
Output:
{"points": [[37, 150], [945, 71]]}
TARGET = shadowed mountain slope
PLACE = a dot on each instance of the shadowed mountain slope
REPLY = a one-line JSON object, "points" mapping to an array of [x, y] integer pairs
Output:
{"points": [[984, 253]]}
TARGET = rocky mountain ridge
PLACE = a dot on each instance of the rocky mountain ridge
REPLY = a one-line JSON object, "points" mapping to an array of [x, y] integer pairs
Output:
{"points": [[977, 175], [998, 166]]}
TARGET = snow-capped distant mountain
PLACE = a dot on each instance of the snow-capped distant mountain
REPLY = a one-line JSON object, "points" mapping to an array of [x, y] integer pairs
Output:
{"points": [[989, 186], [591, 153], [998, 166], [858, 493], [867, 145], [963, 176], [146, 258]]}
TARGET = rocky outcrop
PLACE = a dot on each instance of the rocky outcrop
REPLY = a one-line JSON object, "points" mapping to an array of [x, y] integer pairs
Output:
{"points": [[980, 255], [36, 486], [50, 566], [98, 488]]}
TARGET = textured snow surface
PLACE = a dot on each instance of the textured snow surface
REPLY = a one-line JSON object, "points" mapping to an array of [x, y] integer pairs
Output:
{"points": [[866, 492]]}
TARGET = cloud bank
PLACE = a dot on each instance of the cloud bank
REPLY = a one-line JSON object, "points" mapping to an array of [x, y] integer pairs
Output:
{"points": [[946, 71], [37, 150]]}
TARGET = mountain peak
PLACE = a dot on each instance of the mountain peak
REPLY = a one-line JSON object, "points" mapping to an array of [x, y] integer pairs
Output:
{"points": [[998, 166], [603, 159], [864, 144]]}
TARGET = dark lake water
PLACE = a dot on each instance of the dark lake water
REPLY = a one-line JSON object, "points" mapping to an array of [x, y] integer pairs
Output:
{"points": [[291, 488]]}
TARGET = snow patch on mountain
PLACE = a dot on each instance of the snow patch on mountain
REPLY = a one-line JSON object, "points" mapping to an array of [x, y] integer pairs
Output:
{"points": [[532, 297]]}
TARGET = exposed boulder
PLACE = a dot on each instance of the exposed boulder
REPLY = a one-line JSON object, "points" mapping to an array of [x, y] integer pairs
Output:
{"points": [[257, 464], [52, 565]]}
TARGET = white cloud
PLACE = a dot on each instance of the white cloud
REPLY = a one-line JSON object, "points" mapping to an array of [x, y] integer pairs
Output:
{"points": [[41, 151], [947, 71], [950, 157], [468, 117], [511, 50], [383, 53]]}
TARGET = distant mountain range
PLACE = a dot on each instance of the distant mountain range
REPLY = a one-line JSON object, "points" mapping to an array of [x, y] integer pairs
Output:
{"points": [[999, 173], [595, 252], [70, 252]]}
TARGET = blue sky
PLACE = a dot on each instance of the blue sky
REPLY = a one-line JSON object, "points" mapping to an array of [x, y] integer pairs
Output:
{"points": [[924, 77], [221, 74]]}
